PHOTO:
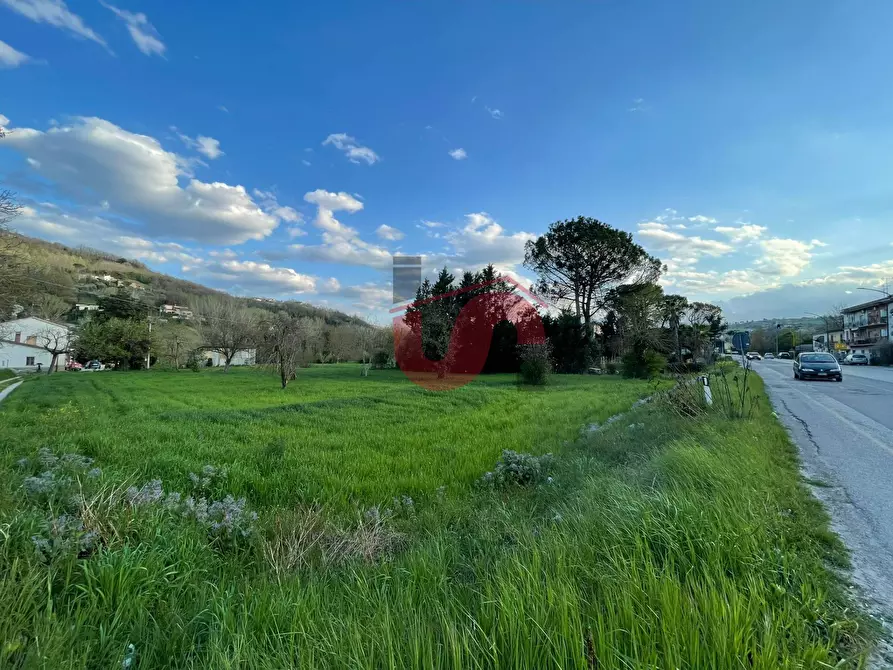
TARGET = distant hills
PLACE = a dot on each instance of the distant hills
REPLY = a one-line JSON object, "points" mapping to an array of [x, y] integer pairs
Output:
{"points": [[63, 277]]}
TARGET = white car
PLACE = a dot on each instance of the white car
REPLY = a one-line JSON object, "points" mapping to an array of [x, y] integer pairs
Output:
{"points": [[856, 359]]}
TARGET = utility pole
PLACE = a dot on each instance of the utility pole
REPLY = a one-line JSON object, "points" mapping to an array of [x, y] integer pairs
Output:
{"points": [[148, 348], [777, 328]]}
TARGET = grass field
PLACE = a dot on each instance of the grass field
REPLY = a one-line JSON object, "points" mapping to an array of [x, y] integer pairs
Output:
{"points": [[659, 542]]}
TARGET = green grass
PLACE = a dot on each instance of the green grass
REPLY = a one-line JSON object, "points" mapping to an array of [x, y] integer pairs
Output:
{"points": [[679, 544], [6, 374]]}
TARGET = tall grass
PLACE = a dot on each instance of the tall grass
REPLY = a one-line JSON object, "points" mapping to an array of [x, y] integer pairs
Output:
{"points": [[659, 543]]}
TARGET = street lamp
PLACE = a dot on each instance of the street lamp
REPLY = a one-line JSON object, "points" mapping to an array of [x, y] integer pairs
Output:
{"points": [[876, 290]]}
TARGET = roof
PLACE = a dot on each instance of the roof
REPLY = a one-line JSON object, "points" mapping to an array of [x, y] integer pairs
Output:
{"points": [[865, 305], [37, 318], [23, 344]]}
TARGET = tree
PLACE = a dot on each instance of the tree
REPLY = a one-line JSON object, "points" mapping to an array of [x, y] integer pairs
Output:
{"points": [[640, 310], [14, 278], [56, 341], [121, 305], [176, 341], [674, 307], [283, 344], [125, 343], [580, 260], [50, 307], [225, 326]]}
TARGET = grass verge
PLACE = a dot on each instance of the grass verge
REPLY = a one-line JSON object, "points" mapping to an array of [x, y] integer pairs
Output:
{"points": [[659, 542]]}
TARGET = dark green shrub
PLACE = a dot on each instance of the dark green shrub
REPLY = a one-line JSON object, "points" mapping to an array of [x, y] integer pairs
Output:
{"points": [[646, 364], [612, 368], [381, 360]]}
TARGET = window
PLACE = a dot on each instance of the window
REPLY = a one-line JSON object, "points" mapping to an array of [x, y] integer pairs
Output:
{"points": [[18, 337], [29, 360]]}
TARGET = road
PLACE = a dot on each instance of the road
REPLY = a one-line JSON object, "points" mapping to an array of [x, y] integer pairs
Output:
{"points": [[845, 435]]}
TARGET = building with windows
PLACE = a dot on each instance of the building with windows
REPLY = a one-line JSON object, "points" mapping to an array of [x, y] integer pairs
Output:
{"points": [[22, 344], [866, 326]]}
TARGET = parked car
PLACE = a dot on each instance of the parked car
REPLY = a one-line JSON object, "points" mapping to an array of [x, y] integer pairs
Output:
{"points": [[856, 359], [784, 354], [811, 365], [753, 356], [769, 356], [74, 365], [94, 365]]}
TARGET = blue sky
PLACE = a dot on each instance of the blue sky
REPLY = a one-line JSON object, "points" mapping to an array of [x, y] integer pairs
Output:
{"points": [[287, 150]]}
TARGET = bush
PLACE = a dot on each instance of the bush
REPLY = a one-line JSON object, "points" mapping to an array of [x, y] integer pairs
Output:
{"points": [[686, 368], [381, 360], [643, 365], [514, 469], [612, 368], [536, 363], [884, 354]]}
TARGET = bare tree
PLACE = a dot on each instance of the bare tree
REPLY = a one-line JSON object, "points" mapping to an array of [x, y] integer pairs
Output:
{"points": [[343, 342], [284, 344], [57, 341], [225, 326], [176, 341], [14, 281]]}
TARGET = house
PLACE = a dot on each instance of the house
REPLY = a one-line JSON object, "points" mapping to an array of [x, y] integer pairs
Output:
{"points": [[86, 306], [866, 327], [833, 342], [177, 311], [22, 343], [242, 357]]}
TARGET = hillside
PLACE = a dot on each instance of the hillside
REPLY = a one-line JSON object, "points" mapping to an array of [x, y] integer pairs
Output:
{"points": [[63, 276]]}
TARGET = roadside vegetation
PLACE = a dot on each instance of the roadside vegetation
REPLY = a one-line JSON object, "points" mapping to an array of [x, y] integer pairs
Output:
{"points": [[392, 530]]}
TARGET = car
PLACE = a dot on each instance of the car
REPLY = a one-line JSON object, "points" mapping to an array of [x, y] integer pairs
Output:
{"points": [[784, 354], [769, 356], [73, 365], [813, 365], [856, 359], [753, 356], [94, 365]]}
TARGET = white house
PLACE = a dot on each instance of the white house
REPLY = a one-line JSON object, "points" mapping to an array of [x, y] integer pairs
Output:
{"points": [[242, 357], [22, 343]]}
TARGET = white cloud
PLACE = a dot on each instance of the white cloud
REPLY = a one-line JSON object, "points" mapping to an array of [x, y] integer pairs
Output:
{"points": [[386, 232], [252, 276], [223, 253], [437, 224], [4, 121], [141, 31], [340, 243], [93, 159], [458, 154], [354, 151], [207, 146], [306, 162], [295, 231], [223, 108], [482, 241], [686, 249], [270, 204], [747, 232], [10, 58], [712, 282], [638, 105], [700, 218], [495, 113], [55, 13], [785, 257]]}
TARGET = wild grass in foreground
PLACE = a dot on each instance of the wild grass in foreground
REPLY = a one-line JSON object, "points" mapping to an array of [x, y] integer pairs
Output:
{"points": [[655, 542]]}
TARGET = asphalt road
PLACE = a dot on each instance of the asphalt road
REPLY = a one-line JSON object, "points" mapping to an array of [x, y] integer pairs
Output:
{"points": [[845, 434]]}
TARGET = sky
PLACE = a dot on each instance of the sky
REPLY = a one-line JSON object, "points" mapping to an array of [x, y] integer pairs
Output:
{"points": [[288, 150]]}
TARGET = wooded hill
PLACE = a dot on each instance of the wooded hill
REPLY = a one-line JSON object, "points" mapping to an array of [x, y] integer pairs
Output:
{"points": [[63, 276]]}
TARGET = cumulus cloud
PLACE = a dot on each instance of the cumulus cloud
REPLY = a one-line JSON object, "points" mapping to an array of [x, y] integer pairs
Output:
{"points": [[700, 218], [658, 236], [747, 232], [207, 146], [270, 205], [10, 58], [55, 13], [785, 257], [386, 232], [482, 241], [354, 151], [93, 159], [458, 154], [141, 31], [252, 277], [340, 243]]}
